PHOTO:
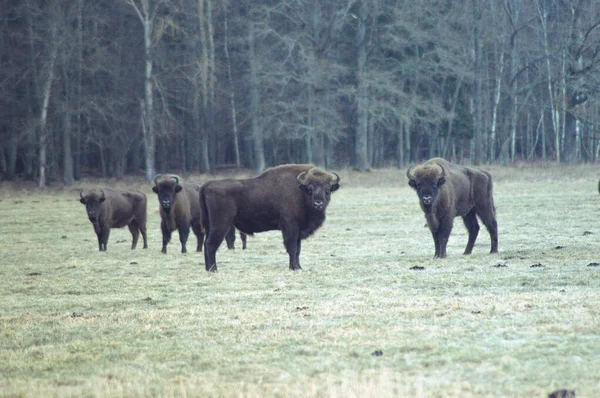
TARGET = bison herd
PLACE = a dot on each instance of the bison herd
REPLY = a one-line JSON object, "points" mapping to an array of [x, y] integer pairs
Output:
{"points": [[291, 198]]}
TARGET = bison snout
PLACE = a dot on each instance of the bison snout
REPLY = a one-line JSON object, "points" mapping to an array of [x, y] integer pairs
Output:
{"points": [[166, 206], [427, 199], [319, 204]]}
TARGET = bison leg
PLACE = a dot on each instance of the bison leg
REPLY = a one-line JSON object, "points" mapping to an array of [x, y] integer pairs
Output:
{"points": [[197, 228], [166, 236], [443, 233], [244, 237], [184, 232], [291, 240], [214, 238], [230, 238], [100, 245], [104, 238], [489, 220], [135, 233], [143, 231], [472, 225]]}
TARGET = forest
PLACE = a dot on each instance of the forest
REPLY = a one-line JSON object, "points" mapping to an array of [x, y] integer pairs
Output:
{"points": [[109, 88]]}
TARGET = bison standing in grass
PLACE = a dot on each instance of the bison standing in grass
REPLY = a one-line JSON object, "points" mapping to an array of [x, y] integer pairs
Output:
{"points": [[108, 209], [290, 198], [179, 209], [448, 190]]}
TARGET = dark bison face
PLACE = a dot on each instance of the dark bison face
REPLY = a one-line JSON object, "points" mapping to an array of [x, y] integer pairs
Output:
{"points": [[167, 193], [318, 187], [427, 185], [92, 205]]}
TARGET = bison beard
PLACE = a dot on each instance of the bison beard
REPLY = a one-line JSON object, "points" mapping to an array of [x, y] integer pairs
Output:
{"points": [[289, 198], [448, 190]]}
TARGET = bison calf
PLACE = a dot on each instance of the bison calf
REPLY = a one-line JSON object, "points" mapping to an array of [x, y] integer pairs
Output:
{"points": [[179, 210], [448, 190], [108, 209], [289, 198]]}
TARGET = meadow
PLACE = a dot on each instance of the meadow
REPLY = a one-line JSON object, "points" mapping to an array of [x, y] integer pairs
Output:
{"points": [[371, 315]]}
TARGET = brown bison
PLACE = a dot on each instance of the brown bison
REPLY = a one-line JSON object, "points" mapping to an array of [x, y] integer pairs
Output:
{"points": [[108, 209], [291, 198], [448, 190], [179, 210]]}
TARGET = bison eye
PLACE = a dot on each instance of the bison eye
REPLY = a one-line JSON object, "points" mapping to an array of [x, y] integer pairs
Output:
{"points": [[309, 190]]}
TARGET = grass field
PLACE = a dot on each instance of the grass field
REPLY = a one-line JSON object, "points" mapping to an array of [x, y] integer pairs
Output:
{"points": [[359, 321]]}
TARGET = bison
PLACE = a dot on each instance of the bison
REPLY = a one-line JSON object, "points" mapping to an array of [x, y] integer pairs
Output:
{"points": [[448, 190], [179, 210], [108, 209], [291, 198]]}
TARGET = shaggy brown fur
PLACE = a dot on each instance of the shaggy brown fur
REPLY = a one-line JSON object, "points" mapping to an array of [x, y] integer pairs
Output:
{"points": [[291, 198], [179, 210], [108, 209], [448, 190]]}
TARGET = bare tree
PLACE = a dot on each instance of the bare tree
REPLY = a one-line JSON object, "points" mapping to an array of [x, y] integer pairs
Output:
{"points": [[146, 10]]}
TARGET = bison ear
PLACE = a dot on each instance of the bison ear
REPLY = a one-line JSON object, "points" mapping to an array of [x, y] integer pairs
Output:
{"points": [[441, 181], [335, 187], [155, 189], [82, 200], [412, 183], [178, 188], [102, 199]]}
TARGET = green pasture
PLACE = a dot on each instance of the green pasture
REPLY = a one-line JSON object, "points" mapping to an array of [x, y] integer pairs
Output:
{"points": [[359, 321]]}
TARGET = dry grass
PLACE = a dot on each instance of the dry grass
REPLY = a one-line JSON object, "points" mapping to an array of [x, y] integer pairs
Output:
{"points": [[77, 322]]}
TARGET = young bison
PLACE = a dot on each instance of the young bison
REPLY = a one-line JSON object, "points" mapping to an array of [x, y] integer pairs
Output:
{"points": [[449, 190], [179, 210], [290, 198], [114, 209]]}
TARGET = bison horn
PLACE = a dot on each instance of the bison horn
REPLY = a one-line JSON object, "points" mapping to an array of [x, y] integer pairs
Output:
{"points": [[409, 174], [301, 178], [156, 178], [176, 179], [337, 178], [103, 196], [81, 194], [443, 170]]}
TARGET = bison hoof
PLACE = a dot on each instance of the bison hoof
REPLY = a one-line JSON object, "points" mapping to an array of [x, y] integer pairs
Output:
{"points": [[212, 268]]}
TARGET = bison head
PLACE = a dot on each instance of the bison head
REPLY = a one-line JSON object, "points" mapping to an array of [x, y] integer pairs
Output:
{"points": [[92, 204], [166, 189], [426, 180], [318, 186]]}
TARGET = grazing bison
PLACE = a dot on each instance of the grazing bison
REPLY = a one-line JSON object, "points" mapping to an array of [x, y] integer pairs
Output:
{"points": [[448, 190], [108, 209], [179, 209], [291, 198]]}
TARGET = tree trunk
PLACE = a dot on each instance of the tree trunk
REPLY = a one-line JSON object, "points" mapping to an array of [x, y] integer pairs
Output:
{"points": [[259, 151], [493, 132], [43, 152], [68, 177], [236, 138], [360, 145], [146, 16]]}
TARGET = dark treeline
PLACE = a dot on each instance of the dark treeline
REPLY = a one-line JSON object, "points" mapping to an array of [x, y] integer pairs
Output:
{"points": [[115, 87]]}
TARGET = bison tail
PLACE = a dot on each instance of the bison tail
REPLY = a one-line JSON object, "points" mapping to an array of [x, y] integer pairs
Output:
{"points": [[490, 193], [204, 220]]}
